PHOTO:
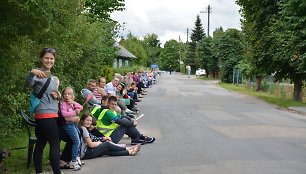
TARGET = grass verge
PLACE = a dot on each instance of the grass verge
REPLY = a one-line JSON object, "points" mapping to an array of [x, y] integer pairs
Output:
{"points": [[279, 101], [16, 163], [206, 78]]}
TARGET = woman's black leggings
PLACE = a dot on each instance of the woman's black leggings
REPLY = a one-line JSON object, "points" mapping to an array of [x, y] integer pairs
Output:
{"points": [[106, 148], [47, 131]]}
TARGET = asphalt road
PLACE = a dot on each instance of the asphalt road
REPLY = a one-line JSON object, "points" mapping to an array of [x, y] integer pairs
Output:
{"points": [[203, 129]]}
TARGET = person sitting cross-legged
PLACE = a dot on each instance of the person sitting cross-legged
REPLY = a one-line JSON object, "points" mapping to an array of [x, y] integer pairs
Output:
{"points": [[111, 124]]}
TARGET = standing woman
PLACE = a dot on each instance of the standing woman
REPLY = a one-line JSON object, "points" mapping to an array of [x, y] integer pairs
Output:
{"points": [[46, 112]]}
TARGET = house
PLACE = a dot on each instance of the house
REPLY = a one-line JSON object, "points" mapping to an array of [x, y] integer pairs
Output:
{"points": [[124, 57]]}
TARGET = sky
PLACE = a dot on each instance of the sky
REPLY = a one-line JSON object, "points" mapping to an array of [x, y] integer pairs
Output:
{"points": [[170, 19]]}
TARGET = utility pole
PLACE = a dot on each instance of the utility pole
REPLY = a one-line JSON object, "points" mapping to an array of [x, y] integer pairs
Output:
{"points": [[208, 16], [208, 11], [187, 34], [181, 62], [187, 46]]}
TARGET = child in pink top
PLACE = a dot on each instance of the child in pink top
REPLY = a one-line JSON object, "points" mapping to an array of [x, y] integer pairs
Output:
{"points": [[70, 110]]}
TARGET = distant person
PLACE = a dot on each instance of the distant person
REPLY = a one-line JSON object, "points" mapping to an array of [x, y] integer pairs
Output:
{"points": [[188, 70]]}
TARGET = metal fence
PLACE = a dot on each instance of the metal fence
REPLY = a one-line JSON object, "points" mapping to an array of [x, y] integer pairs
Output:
{"points": [[283, 88]]}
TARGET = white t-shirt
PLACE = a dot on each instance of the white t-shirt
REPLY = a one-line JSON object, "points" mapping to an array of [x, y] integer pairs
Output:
{"points": [[110, 89], [83, 143]]}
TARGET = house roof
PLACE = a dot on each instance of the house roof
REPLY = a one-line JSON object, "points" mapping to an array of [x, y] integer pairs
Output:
{"points": [[122, 52]]}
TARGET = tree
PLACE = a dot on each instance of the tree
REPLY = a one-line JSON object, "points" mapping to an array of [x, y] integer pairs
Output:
{"points": [[257, 16], [204, 54], [275, 37], [198, 32], [196, 35], [289, 46], [169, 57], [137, 48], [215, 67], [152, 45], [101, 9], [230, 50]]}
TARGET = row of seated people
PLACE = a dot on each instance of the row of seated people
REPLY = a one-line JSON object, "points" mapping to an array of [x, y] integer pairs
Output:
{"points": [[111, 114]]}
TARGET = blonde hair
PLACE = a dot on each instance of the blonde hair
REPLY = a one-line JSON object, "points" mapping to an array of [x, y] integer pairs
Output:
{"points": [[67, 89]]}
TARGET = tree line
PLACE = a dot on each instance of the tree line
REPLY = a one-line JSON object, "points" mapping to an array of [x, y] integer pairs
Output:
{"points": [[272, 42]]}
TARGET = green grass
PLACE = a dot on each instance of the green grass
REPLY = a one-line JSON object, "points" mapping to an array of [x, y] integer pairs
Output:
{"points": [[206, 78], [17, 162], [279, 101]]}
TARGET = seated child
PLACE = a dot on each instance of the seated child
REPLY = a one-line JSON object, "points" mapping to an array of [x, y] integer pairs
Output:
{"points": [[96, 135]]}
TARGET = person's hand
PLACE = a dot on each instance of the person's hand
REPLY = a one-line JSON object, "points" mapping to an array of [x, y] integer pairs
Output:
{"points": [[77, 119], [106, 139], [54, 94], [38, 73], [135, 123], [69, 101], [91, 127], [123, 92], [78, 111], [100, 90], [97, 143]]}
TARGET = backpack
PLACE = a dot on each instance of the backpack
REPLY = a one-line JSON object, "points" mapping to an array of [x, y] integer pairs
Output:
{"points": [[35, 98]]}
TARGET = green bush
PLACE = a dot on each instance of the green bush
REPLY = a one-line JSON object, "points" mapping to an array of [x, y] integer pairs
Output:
{"points": [[81, 46], [107, 72]]}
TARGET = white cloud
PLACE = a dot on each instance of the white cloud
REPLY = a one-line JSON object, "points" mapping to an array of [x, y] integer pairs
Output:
{"points": [[171, 18]]}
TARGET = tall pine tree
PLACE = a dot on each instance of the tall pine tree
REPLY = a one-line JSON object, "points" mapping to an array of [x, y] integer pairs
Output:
{"points": [[196, 35]]}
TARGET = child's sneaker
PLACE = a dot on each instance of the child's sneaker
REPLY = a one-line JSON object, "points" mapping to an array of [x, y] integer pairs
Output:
{"points": [[75, 165], [79, 161]]}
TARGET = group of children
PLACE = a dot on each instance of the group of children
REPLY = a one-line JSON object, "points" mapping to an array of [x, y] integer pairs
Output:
{"points": [[87, 141], [55, 121]]}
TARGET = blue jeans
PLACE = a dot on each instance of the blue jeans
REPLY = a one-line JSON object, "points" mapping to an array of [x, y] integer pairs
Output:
{"points": [[131, 94], [73, 132]]}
